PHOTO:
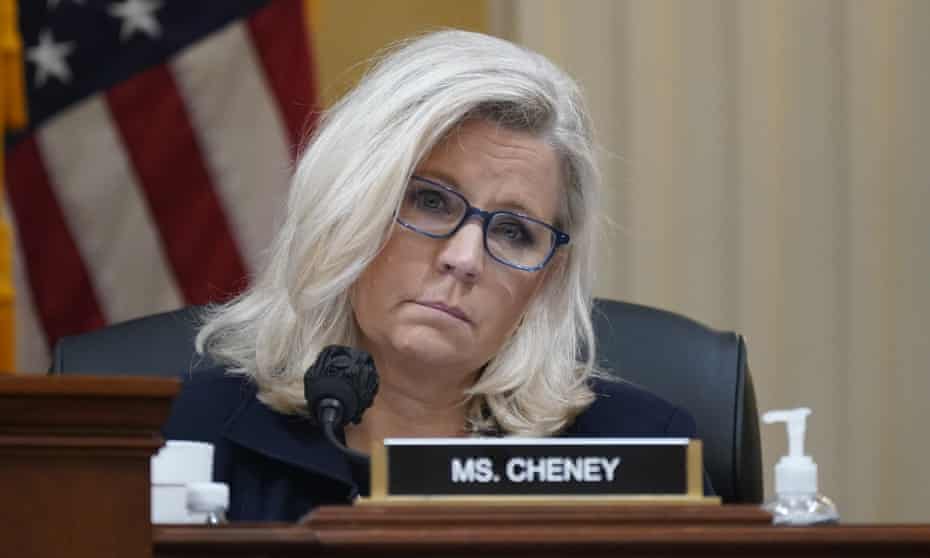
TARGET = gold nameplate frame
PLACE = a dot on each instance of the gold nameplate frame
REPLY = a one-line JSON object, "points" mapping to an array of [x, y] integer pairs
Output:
{"points": [[538, 471]]}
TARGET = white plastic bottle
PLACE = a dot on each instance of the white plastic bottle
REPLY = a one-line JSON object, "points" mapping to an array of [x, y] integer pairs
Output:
{"points": [[796, 500], [209, 500]]}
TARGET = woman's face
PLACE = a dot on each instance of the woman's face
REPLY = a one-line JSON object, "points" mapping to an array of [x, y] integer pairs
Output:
{"points": [[445, 303]]}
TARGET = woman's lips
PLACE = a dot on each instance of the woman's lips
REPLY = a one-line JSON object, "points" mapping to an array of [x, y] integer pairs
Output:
{"points": [[453, 311]]}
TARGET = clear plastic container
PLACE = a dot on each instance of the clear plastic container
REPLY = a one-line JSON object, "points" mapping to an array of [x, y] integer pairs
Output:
{"points": [[802, 509], [797, 501]]}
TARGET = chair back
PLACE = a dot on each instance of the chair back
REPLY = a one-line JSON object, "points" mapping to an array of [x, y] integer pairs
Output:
{"points": [[156, 345], [700, 369], [686, 363]]}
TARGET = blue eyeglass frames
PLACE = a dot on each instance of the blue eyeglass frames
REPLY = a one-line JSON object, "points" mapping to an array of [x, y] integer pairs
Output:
{"points": [[512, 239]]}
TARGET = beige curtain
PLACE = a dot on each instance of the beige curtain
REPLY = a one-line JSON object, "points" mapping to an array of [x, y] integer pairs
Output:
{"points": [[768, 171]]}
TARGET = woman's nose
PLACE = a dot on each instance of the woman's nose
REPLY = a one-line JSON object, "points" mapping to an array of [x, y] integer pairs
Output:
{"points": [[462, 254]]}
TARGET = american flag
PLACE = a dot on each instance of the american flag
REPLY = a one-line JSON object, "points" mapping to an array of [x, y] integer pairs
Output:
{"points": [[161, 136]]}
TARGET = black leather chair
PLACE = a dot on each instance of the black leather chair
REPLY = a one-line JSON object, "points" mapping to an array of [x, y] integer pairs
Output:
{"points": [[682, 361], [700, 369], [156, 345]]}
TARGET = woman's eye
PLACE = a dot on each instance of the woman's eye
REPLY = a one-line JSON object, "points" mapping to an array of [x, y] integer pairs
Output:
{"points": [[514, 233], [430, 200], [510, 231]]}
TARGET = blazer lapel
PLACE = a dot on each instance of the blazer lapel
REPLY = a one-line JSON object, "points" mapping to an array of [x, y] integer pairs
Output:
{"points": [[291, 439]]}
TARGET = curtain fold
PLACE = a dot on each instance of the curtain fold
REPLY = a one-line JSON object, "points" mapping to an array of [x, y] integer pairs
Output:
{"points": [[766, 167]]}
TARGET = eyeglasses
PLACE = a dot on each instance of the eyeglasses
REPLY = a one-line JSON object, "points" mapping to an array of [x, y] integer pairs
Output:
{"points": [[515, 240]]}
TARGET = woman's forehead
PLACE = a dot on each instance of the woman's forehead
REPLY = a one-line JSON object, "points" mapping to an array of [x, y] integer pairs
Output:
{"points": [[493, 165]]}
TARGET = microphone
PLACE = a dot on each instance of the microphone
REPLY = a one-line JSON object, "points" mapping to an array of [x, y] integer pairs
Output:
{"points": [[339, 388]]}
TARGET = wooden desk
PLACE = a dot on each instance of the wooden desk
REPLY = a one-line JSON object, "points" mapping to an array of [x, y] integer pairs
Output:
{"points": [[74, 481], [590, 532], [74, 464]]}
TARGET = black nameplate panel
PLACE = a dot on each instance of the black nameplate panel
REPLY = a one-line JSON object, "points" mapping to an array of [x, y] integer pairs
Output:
{"points": [[437, 467]]}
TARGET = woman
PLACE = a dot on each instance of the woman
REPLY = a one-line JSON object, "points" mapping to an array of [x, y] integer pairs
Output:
{"points": [[442, 218]]}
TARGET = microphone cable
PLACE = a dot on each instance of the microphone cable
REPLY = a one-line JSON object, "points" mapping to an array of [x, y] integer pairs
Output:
{"points": [[339, 388], [329, 415]]}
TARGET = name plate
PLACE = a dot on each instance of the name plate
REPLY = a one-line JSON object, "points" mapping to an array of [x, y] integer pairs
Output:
{"points": [[463, 468]]}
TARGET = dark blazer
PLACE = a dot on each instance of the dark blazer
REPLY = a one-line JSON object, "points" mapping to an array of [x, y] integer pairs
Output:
{"points": [[279, 466]]}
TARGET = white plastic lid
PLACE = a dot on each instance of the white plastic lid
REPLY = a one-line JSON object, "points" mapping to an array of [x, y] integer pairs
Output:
{"points": [[181, 462], [207, 496]]}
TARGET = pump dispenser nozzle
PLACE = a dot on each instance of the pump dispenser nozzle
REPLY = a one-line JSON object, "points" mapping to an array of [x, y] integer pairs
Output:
{"points": [[796, 499], [797, 427], [795, 473]]}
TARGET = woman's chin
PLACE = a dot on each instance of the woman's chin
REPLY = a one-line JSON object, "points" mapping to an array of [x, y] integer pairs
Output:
{"points": [[429, 346]]}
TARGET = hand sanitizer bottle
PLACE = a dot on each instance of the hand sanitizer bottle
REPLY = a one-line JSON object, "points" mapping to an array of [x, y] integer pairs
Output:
{"points": [[797, 501]]}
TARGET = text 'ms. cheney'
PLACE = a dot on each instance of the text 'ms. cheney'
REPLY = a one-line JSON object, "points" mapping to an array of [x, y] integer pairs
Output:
{"points": [[549, 469]]}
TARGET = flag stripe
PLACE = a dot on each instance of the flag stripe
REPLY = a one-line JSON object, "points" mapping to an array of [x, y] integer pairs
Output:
{"points": [[63, 307], [280, 37], [117, 238], [32, 354], [241, 132], [195, 232], [165, 189]]}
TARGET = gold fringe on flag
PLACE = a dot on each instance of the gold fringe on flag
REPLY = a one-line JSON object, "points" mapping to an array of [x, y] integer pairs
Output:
{"points": [[12, 115], [12, 84]]}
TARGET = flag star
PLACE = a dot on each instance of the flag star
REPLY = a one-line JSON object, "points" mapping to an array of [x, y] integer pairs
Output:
{"points": [[137, 15], [49, 58]]}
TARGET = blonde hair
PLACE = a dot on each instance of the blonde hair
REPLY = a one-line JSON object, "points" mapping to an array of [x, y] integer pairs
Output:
{"points": [[346, 188]]}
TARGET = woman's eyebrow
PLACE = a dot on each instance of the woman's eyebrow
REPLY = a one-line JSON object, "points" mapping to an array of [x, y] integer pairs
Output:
{"points": [[515, 205], [440, 177], [519, 207]]}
